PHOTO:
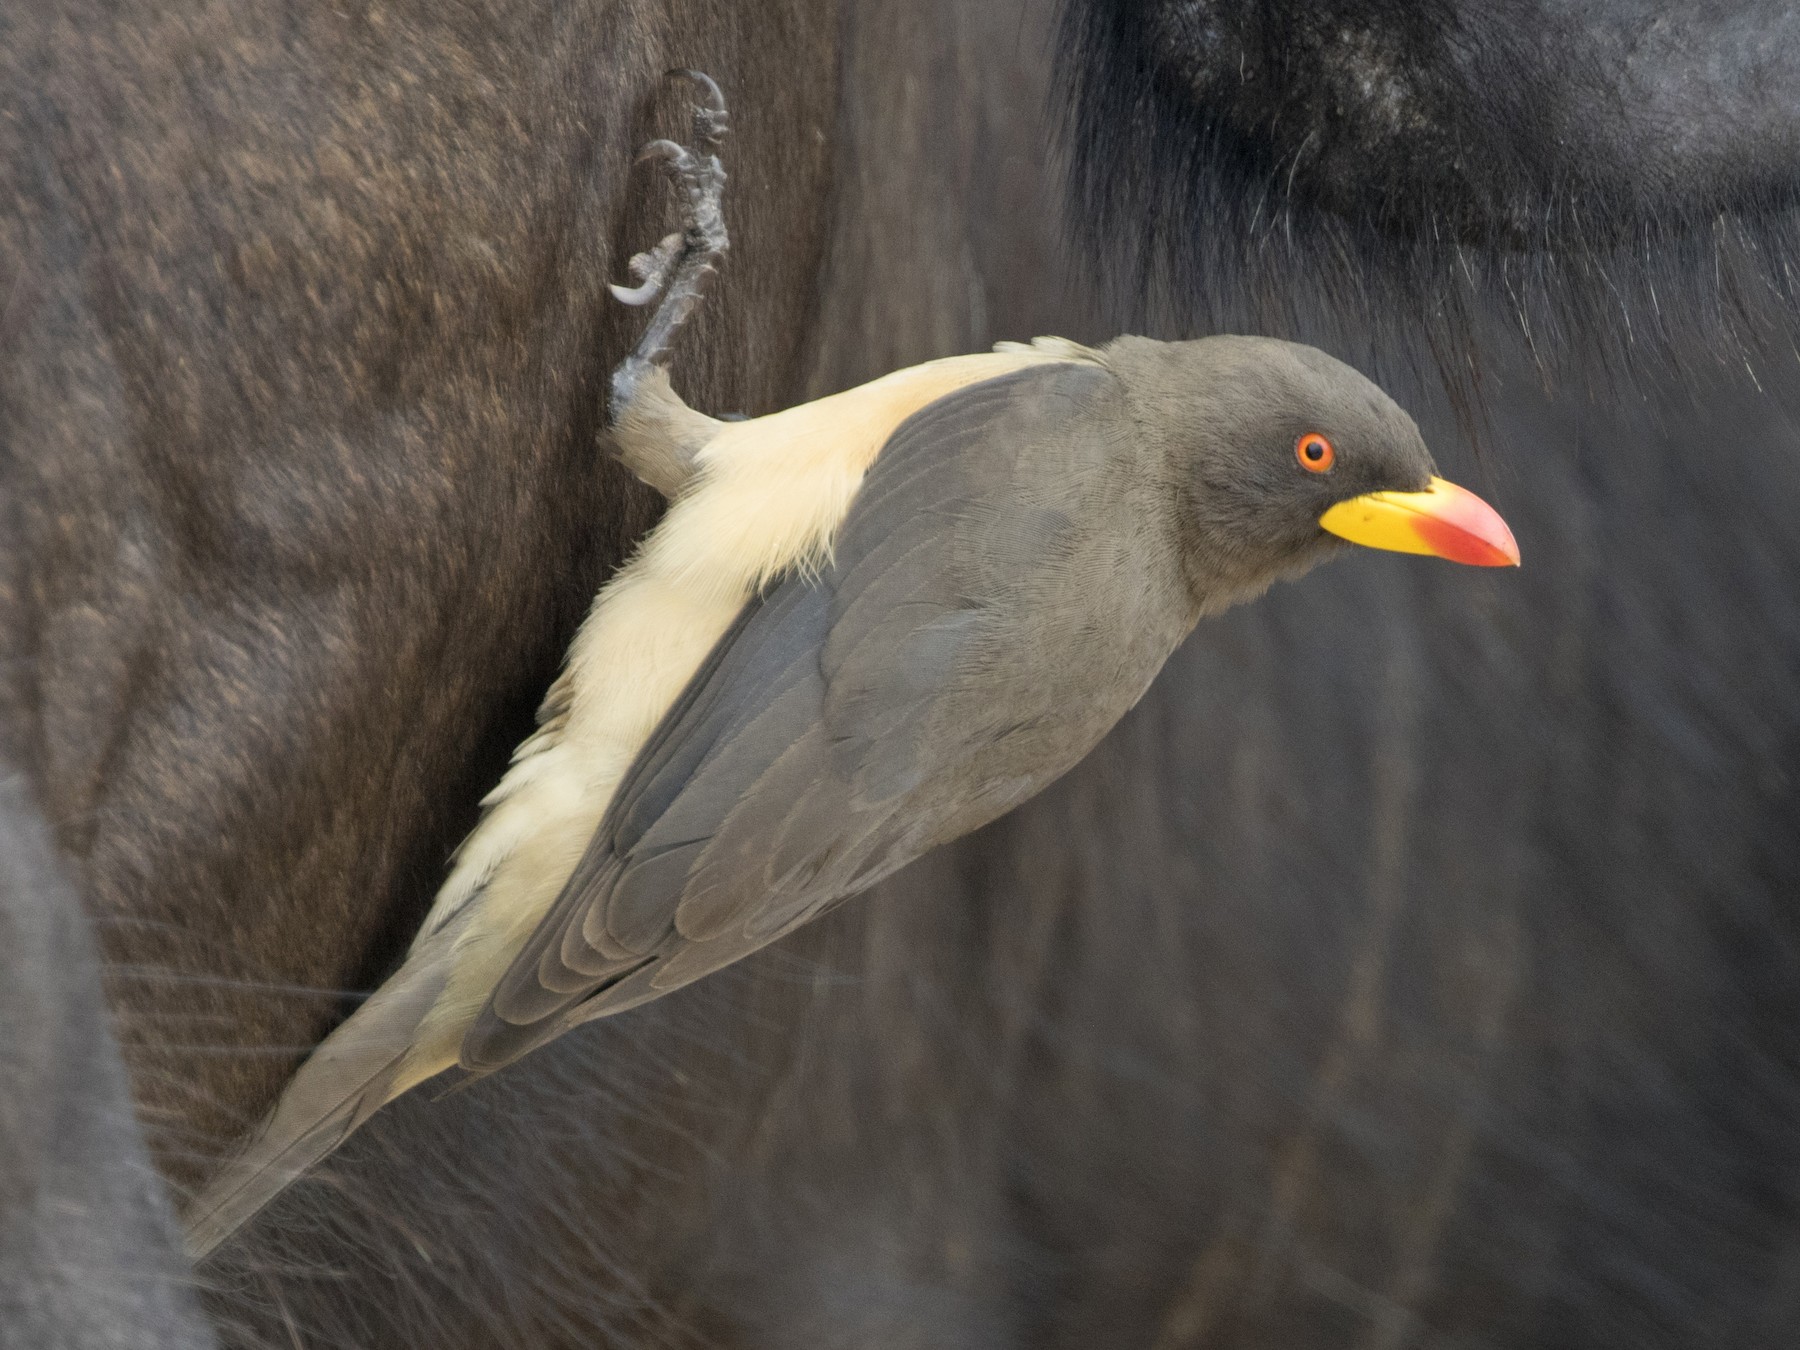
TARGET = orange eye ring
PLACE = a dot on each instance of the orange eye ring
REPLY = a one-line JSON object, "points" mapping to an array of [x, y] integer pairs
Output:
{"points": [[1315, 453]]}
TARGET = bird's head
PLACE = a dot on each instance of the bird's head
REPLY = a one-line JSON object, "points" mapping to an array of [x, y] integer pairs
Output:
{"points": [[1282, 453]]}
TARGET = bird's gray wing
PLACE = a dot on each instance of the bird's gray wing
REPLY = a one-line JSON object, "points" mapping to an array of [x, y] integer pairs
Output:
{"points": [[793, 770]]}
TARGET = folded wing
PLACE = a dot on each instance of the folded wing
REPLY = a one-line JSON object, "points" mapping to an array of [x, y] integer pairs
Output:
{"points": [[846, 723]]}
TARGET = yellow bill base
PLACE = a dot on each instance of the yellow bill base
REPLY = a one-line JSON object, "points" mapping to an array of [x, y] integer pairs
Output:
{"points": [[1444, 521]]}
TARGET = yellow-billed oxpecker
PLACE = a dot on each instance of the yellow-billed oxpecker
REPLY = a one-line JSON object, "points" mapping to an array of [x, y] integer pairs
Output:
{"points": [[864, 627]]}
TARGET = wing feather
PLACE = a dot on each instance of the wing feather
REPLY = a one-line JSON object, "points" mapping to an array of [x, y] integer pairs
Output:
{"points": [[804, 758]]}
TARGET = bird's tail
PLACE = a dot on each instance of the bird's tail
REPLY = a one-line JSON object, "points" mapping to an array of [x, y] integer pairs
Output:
{"points": [[368, 1061]]}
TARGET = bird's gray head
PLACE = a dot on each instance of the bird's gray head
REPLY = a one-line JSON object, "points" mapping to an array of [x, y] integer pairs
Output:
{"points": [[1280, 453]]}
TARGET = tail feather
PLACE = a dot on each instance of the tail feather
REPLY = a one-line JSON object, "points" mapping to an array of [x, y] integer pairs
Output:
{"points": [[370, 1059]]}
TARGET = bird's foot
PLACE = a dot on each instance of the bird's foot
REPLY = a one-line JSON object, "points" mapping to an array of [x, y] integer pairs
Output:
{"points": [[677, 267]]}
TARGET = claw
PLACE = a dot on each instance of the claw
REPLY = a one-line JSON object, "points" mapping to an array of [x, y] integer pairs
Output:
{"points": [[715, 98], [711, 120], [650, 269], [665, 150], [635, 296]]}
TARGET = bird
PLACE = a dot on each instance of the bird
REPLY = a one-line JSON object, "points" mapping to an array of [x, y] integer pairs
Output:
{"points": [[865, 626]]}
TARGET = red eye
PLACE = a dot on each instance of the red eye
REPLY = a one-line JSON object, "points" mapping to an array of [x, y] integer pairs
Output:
{"points": [[1314, 453]]}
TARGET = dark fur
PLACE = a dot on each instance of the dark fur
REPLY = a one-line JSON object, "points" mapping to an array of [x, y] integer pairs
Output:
{"points": [[303, 338], [1417, 963], [1618, 176], [87, 1240]]}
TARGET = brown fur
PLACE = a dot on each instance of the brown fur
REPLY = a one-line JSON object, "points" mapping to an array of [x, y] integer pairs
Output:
{"points": [[326, 291]]}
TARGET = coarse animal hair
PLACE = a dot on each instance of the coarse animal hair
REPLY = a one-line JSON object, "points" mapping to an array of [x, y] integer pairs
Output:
{"points": [[1417, 964], [1373, 176]]}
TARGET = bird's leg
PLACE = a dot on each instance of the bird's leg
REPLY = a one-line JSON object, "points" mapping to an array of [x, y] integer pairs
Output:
{"points": [[658, 434], [677, 267]]}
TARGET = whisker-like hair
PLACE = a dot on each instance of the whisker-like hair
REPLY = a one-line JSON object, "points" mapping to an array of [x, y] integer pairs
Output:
{"points": [[245, 1051], [172, 975]]}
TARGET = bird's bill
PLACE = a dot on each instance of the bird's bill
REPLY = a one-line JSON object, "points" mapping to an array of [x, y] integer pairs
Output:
{"points": [[1444, 521]]}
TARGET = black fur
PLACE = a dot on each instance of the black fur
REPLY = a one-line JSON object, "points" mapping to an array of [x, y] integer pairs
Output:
{"points": [[1619, 177]]}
